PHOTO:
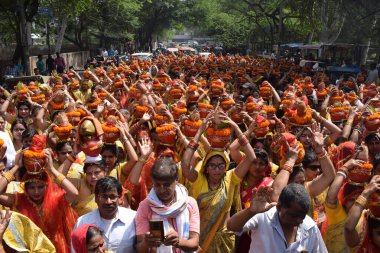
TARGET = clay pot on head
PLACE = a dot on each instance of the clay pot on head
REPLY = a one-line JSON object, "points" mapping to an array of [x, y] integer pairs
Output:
{"points": [[361, 174]]}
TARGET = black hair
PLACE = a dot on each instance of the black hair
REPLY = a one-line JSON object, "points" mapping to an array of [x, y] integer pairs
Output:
{"points": [[60, 145], [91, 232], [107, 184], [296, 170], [18, 121], [29, 132], [112, 148], [376, 161], [295, 193], [99, 164], [262, 154], [24, 103], [370, 137], [54, 114], [164, 168], [309, 158], [373, 223]]}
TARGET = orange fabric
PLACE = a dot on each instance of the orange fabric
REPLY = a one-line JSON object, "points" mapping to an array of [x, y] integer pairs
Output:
{"points": [[56, 218]]}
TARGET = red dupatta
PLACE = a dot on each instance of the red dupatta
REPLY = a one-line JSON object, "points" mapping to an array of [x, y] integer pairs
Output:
{"points": [[54, 216]]}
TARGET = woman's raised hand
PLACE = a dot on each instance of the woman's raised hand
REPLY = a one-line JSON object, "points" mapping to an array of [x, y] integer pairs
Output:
{"points": [[261, 200]]}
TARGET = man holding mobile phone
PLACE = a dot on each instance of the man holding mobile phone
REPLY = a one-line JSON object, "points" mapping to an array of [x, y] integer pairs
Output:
{"points": [[168, 219]]}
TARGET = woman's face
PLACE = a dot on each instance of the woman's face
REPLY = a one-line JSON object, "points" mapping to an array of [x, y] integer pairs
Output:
{"points": [[312, 170], [306, 138], [258, 168], [299, 178], [144, 100], [93, 174], [2, 124], [17, 131], [96, 244], [65, 150], [36, 191], [215, 168], [109, 159], [23, 112]]}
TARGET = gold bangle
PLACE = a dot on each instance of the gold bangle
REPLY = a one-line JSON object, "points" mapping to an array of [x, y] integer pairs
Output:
{"points": [[142, 159], [9, 176], [59, 179], [361, 201], [288, 168], [322, 156]]}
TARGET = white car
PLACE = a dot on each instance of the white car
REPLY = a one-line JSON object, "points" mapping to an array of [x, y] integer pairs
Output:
{"points": [[205, 54], [142, 56]]}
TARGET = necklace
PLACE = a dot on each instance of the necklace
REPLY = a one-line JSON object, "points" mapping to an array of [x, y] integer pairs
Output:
{"points": [[213, 187]]}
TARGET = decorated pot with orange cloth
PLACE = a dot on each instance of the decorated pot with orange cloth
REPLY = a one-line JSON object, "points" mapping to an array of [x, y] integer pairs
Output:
{"points": [[135, 93], [161, 119], [270, 110], [111, 132], [167, 134], [372, 122], [204, 109], [265, 90], [218, 138], [33, 157], [158, 87], [291, 140], [370, 90], [351, 97], [338, 113], [262, 126], [179, 109], [39, 99], [227, 104], [374, 204], [192, 94], [140, 110], [90, 136], [217, 88], [190, 128], [301, 116], [63, 128], [176, 93], [360, 174], [22, 90]]}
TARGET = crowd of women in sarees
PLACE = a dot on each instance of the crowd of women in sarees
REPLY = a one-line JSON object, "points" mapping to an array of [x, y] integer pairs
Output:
{"points": [[231, 123]]}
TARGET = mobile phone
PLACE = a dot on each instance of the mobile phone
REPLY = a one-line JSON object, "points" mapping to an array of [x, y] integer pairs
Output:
{"points": [[157, 228]]}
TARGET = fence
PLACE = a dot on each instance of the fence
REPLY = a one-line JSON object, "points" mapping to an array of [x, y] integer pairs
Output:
{"points": [[75, 59]]}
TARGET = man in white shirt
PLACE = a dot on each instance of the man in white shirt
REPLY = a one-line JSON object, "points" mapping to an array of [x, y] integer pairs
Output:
{"points": [[117, 223], [279, 227]]}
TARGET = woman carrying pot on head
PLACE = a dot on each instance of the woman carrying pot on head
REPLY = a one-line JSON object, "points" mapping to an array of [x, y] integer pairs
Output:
{"points": [[216, 188]]}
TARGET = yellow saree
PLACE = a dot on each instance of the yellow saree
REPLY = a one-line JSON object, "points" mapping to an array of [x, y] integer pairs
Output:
{"points": [[214, 206], [85, 205], [22, 235]]}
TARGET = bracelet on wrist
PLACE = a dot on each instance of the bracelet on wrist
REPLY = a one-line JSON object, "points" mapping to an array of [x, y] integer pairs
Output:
{"points": [[9, 176], [143, 159], [193, 145], [361, 201], [288, 168], [59, 179]]}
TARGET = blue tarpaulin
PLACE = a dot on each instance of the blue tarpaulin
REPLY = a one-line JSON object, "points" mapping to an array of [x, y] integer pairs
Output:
{"points": [[292, 45]]}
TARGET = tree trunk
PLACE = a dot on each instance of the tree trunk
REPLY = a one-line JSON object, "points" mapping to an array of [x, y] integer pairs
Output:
{"points": [[367, 47], [23, 33], [60, 34]]}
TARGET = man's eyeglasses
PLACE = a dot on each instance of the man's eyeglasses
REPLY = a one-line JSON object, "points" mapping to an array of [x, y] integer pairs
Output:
{"points": [[111, 197], [220, 166]]}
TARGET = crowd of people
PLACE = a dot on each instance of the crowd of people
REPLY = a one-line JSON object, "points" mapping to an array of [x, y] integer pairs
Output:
{"points": [[185, 154]]}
